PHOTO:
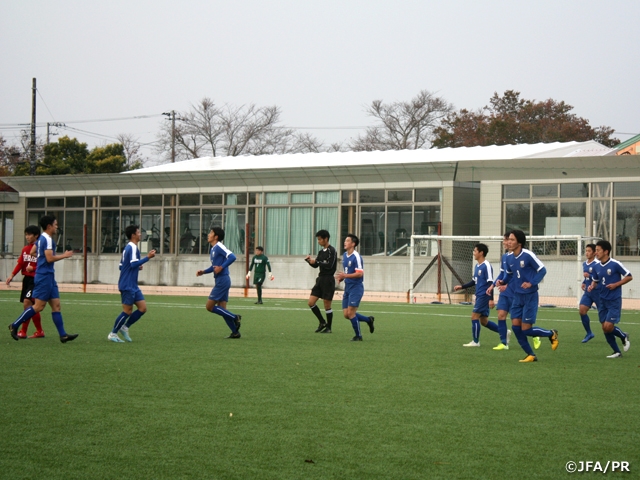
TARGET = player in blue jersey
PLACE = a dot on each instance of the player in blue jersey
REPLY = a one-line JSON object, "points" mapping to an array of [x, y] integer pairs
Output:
{"points": [[45, 288], [608, 279], [482, 279], [221, 257], [504, 300], [130, 293], [527, 271], [353, 276], [589, 297]]}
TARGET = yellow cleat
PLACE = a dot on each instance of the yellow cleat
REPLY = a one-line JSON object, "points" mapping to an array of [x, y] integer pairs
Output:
{"points": [[554, 340], [502, 346], [529, 358], [536, 342]]}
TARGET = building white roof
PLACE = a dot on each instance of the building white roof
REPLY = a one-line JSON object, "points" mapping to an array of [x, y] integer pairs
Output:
{"points": [[388, 157]]}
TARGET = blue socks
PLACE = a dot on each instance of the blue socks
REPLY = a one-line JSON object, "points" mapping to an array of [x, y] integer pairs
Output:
{"points": [[229, 317], [619, 333], [57, 321], [537, 332], [135, 316], [119, 322], [611, 340], [356, 325], [502, 330], [493, 327], [475, 330], [522, 339], [26, 315], [585, 323]]}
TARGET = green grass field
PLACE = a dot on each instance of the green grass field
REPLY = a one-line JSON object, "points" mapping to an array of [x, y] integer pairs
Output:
{"points": [[181, 401]]}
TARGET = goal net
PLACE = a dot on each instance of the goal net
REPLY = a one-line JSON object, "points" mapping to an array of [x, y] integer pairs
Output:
{"points": [[440, 262]]}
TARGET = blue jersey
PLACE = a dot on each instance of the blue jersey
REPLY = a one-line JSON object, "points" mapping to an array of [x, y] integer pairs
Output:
{"points": [[605, 274], [129, 267], [526, 267], [508, 292], [220, 256], [44, 242], [588, 267], [352, 264], [483, 278]]}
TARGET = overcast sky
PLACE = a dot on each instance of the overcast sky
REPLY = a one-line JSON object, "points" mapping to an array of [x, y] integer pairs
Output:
{"points": [[321, 62]]}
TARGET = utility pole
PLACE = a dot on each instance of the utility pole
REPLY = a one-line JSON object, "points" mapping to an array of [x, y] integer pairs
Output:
{"points": [[33, 129], [172, 115], [53, 124]]}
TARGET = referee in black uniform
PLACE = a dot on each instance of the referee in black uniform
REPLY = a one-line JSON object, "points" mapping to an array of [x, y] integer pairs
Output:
{"points": [[325, 287]]}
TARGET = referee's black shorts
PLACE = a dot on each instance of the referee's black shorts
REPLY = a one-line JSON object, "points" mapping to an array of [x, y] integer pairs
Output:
{"points": [[324, 288], [27, 289]]}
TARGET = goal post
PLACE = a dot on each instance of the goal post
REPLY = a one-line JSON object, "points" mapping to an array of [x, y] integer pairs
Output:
{"points": [[439, 262]]}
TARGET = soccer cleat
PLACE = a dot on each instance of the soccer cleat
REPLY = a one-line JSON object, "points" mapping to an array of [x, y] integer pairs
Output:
{"points": [[502, 346], [234, 335], [321, 327], [588, 337], [237, 321], [22, 335], [471, 344], [259, 302], [39, 334], [371, 327], [326, 330], [528, 359], [14, 332], [615, 355], [508, 337], [125, 333], [536, 342], [356, 339], [69, 338], [627, 343], [113, 337], [554, 340]]}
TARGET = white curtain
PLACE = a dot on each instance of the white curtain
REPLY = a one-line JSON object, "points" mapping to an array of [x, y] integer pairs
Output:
{"points": [[301, 231]]}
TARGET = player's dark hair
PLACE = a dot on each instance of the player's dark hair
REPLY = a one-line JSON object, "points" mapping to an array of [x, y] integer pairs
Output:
{"points": [[521, 238], [604, 245], [481, 247], [130, 231], [353, 238], [32, 230], [592, 246], [323, 234], [46, 221], [506, 235], [218, 232], [260, 248]]}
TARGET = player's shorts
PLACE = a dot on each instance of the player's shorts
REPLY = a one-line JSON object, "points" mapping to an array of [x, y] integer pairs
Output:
{"points": [[27, 289], [589, 298], [220, 292], [324, 288], [46, 288], [482, 305], [352, 295], [525, 307], [609, 310], [131, 297], [258, 278], [504, 302]]}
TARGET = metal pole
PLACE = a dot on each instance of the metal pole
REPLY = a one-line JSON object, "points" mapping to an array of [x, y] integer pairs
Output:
{"points": [[32, 171]]}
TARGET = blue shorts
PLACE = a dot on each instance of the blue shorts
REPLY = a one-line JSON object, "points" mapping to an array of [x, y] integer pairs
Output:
{"points": [[525, 307], [609, 310], [220, 292], [482, 305], [504, 303], [589, 298], [352, 295], [46, 288], [131, 297]]}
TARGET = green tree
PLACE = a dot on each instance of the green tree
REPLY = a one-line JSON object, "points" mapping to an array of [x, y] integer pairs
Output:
{"points": [[509, 119], [107, 159]]}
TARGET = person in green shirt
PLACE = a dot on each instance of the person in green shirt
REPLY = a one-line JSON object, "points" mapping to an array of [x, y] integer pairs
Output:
{"points": [[261, 262]]}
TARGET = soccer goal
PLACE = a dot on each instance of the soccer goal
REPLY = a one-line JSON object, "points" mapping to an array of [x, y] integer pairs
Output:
{"points": [[440, 262]]}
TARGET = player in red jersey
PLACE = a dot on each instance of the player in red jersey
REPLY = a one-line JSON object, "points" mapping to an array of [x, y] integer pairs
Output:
{"points": [[27, 264]]}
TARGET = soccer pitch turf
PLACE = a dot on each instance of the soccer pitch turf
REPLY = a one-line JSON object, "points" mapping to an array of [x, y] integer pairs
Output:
{"points": [[283, 402]]}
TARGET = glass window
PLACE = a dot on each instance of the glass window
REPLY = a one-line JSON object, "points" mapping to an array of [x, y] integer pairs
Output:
{"points": [[301, 230], [110, 231], [327, 197], [538, 191], [169, 200], [277, 198], [302, 198], [131, 201], [59, 237], [75, 202], [517, 217], [426, 219], [129, 217], [545, 222], [327, 219], [601, 190], [573, 218], [372, 241], [400, 195], [110, 201], [214, 199], [55, 202], [277, 230], [6, 232], [515, 191], [371, 196], [150, 224], [169, 230], [74, 231], [234, 229], [190, 199], [255, 199], [92, 231], [34, 218], [398, 229], [255, 228], [626, 189], [601, 215], [35, 202], [627, 228], [189, 230], [152, 201], [430, 195], [211, 217], [574, 190], [347, 224], [236, 198], [349, 196]]}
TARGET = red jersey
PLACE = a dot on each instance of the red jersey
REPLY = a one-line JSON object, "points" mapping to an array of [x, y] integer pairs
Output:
{"points": [[24, 261]]}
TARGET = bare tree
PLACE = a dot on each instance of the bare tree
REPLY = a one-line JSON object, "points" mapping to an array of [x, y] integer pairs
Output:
{"points": [[403, 125], [131, 147]]}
